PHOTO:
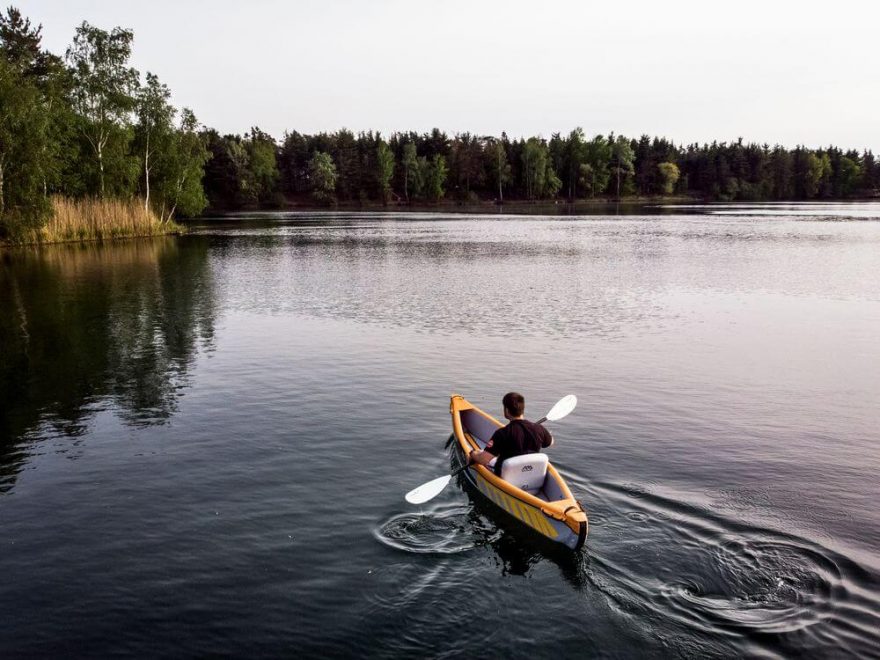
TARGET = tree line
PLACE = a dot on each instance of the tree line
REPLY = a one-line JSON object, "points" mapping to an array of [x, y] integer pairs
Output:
{"points": [[427, 167], [89, 125]]}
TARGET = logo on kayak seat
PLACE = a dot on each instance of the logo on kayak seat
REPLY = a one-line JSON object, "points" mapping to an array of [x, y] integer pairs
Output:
{"points": [[526, 468]]}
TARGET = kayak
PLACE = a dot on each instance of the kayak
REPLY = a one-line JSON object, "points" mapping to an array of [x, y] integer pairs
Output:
{"points": [[545, 504]]}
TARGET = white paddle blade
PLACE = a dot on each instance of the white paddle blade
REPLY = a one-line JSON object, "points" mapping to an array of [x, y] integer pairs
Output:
{"points": [[428, 491], [562, 408]]}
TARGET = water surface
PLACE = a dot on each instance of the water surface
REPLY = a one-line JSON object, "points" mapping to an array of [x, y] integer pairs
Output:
{"points": [[205, 441]]}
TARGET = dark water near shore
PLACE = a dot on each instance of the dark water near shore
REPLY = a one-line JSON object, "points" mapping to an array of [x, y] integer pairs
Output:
{"points": [[205, 441]]}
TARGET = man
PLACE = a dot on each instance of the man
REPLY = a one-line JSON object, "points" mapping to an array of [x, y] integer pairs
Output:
{"points": [[519, 437]]}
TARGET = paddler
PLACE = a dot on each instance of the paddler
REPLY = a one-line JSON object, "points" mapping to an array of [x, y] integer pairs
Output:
{"points": [[519, 437]]}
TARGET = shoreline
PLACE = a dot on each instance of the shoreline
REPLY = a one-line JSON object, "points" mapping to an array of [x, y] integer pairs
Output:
{"points": [[90, 220], [447, 206], [492, 207], [4, 244]]}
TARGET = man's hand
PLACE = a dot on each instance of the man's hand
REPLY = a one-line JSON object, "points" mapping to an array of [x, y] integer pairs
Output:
{"points": [[480, 457]]}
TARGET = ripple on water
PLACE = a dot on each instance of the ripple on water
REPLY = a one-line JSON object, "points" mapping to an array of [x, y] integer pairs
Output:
{"points": [[726, 577], [760, 585], [442, 529], [638, 516]]}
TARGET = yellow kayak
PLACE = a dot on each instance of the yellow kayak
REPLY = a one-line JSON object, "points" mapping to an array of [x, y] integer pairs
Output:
{"points": [[533, 492]]}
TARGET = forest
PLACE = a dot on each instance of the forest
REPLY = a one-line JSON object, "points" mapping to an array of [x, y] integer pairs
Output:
{"points": [[86, 126]]}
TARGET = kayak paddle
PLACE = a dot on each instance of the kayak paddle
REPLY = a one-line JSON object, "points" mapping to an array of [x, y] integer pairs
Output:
{"points": [[431, 489]]}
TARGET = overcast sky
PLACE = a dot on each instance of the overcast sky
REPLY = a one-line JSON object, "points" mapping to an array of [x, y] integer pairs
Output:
{"points": [[771, 71]]}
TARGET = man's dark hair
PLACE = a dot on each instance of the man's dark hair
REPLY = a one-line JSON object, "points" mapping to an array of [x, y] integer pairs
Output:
{"points": [[514, 403]]}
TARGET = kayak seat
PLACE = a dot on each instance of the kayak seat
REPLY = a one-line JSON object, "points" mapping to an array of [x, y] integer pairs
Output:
{"points": [[526, 472]]}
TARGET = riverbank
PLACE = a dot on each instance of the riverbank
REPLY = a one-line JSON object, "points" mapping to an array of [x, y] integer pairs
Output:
{"points": [[307, 203], [88, 219], [592, 206]]}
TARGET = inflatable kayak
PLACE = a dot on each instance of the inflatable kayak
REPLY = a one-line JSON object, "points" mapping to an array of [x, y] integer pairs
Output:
{"points": [[532, 491]]}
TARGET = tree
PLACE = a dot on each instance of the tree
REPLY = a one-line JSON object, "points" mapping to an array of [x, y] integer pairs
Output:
{"points": [[622, 156], [322, 175], [410, 170], [870, 173], [180, 170], [540, 178], [534, 159], [262, 165], [345, 156], [384, 170], [594, 173], [22, 137], [552, 183], [20, 41], [498, 166], [669, 175], [34, 121], [850, 174], [103, 87], [466, 165], [575, 155], [154, 128], [435, 178], [818, 169]]}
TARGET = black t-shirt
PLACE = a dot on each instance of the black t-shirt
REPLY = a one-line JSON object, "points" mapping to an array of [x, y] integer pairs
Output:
{"points": [[517, 438]]}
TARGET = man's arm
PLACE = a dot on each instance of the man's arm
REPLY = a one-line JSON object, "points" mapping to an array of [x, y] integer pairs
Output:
{"points": [[483, 457], [490, 453]]}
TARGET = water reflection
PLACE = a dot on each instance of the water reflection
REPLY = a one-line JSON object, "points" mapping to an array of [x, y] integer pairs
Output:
{"points": [[90, 326]]}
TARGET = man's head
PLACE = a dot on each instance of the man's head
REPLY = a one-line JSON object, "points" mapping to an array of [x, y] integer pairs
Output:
{"points": [[514, 405]]}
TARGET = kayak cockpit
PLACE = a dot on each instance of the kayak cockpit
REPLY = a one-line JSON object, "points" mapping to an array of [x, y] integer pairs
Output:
{"points": [[480, 428]]}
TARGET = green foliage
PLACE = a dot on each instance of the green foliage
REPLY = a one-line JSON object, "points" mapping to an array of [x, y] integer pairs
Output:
{"points": [[26, 125], [322, 173], [262, 166], [466, 161], [669, 175], [498, 166], [154, 133], [22, 141], [435, 178], [594, 172], [103, 96], [850, 173], [818, 170], [20, 41], [540, 179], [575, 157], [532, 168], [384, 170], [622, 159], [412, 179], [180, 168]]}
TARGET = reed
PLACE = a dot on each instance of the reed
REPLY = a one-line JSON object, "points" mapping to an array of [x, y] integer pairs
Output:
{"points": [[91, 219]]}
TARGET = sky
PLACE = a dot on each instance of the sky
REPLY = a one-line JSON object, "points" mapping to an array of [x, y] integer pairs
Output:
{"points": [[774, 71]]}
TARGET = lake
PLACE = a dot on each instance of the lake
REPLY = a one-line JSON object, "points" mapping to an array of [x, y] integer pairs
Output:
{"points": [[205, 441]]}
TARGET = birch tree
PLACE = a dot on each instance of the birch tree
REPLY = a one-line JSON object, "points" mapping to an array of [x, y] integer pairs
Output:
{"points": [[384, 170], [154, 131], [180, 170], [103, 86]]}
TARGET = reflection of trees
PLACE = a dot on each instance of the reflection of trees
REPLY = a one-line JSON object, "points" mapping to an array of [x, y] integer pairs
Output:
{"points": [[83, 324]]}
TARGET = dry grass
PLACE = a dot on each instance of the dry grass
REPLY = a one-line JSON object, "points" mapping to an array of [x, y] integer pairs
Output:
{"points": [[92, 219]]}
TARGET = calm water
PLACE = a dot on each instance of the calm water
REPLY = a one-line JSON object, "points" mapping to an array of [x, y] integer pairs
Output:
{"points": [[205, 441]]}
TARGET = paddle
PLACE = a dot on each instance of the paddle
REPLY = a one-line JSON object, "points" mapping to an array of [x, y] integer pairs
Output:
{"points": [[433, 488]]}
